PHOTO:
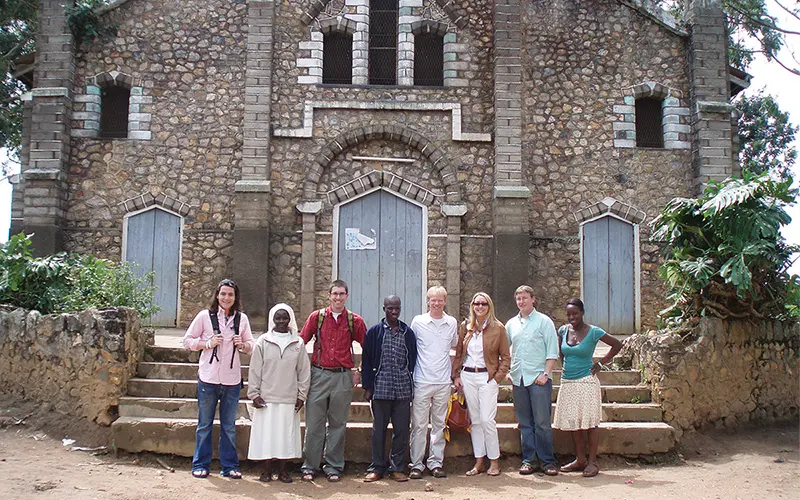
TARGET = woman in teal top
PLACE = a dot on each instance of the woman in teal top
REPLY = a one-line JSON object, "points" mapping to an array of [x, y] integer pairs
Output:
{"points": [[579, 402]]}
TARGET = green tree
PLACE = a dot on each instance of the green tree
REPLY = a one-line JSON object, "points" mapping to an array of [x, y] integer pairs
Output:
{"points": [[724, 254], [766, 136], [17, 38], [18, 22], [752, 29]]}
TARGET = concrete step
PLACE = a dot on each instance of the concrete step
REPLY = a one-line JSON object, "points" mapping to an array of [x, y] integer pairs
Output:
{"points": [[177, 436], [360, 411], [164, 388], [188, 371], [178, 355]]}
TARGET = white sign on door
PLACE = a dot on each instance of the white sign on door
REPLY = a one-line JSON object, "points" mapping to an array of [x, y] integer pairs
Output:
{"points": [[355, 240]]}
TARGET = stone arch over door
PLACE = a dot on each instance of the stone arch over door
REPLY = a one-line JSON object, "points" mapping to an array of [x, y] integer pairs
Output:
{"points": [[392, 133], [452, 206]]}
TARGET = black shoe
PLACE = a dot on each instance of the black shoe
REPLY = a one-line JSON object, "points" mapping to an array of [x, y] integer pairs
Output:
{"points": [[438, 472], [415, 474]]}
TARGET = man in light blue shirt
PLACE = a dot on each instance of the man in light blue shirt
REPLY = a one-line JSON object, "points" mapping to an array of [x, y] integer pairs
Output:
{"points": [[534, 351]]}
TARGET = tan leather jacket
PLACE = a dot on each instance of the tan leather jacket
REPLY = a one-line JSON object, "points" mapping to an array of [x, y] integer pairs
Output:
{"points": [[496, 352]]}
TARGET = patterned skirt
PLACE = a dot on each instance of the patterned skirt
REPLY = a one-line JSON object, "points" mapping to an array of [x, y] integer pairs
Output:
{"points": [[579, 404]]}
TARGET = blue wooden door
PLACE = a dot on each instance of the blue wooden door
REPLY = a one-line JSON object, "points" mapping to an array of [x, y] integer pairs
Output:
{"points": [[608, 279], [380, 253], [153, 243]]}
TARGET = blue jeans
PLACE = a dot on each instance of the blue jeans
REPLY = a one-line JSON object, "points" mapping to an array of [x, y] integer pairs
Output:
{"points": [[532, 406], [207, 397]]}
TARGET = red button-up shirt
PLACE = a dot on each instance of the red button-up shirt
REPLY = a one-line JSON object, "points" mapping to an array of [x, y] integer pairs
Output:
{"points": [[336, 341]]}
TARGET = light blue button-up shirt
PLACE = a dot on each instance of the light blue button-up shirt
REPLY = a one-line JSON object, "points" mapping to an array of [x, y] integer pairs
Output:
{"points": [[533, 341]]}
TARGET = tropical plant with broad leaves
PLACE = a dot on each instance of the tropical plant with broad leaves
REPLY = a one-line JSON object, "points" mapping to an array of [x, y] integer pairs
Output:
{"points": [[724, 253], [69, 282]]}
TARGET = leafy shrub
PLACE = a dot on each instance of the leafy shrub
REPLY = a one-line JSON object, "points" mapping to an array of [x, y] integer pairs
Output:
{"points": [[724, 253], [85, 24], [69, 282]]}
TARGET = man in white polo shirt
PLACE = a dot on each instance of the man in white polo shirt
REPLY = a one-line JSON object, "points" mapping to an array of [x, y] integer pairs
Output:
{"points": [[437, 333]]}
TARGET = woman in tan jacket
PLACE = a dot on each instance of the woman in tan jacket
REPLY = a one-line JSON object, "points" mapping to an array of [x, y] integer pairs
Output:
{"points": [[481, 363]]}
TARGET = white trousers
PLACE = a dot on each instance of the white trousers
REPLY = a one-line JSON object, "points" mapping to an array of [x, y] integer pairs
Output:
{"points": [[481, 399], [430, 404]]}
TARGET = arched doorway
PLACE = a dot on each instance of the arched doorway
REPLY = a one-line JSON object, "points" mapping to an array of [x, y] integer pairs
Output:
{"points": [[152, 239], [379, 245], [609, 281]]}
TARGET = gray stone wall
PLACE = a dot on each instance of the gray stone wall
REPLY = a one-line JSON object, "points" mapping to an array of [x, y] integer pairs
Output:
{"points": [[580, 59], [188, 60], [78, 363], [721, 373]]}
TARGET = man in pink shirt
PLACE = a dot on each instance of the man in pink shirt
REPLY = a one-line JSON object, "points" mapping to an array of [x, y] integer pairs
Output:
{"points": [[219, 376]]}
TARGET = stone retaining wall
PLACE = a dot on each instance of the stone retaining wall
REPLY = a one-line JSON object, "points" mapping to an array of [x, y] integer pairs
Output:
{"points": [[79, 363], [723, 373]]}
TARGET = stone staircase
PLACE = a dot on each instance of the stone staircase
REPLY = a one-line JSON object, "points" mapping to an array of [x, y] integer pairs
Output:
{"points": [[159, 414]]}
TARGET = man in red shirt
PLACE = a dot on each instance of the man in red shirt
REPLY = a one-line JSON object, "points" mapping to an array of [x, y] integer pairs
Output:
{"points": [[332, 380]]}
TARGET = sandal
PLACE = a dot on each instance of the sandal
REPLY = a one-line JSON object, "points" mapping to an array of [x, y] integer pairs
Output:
{"points": [[493, 472], [474, 472], [526, 469], [285, 477], [334, 478], [591, 470], [574, 466], [550, 470], [200, 473], [265, 477], [231, 474], [308, 476]]}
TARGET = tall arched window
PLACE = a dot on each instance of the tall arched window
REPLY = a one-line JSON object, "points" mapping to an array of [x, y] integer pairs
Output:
{"points": [[429, 59], [337, 58], [649, 123], [383, 42], [114, 112]]}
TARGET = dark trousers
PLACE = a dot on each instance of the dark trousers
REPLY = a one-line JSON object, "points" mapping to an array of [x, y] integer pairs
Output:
{"points": [[399, 413]]}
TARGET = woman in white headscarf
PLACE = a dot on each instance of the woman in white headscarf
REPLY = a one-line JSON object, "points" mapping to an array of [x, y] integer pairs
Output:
{"points": [[278, 381]]}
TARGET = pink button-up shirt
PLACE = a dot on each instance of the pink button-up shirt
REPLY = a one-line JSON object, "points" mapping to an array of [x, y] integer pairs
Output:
{"points": [[201, 331]]}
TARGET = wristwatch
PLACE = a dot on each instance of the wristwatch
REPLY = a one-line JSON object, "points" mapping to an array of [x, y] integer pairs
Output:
{"points": [[546, 374]]}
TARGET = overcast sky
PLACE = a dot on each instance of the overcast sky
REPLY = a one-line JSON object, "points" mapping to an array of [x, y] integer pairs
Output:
{"points": [[768, 76]]}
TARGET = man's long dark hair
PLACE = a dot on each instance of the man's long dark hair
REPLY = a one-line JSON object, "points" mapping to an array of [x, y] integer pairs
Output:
{"points": [[237, 302]]}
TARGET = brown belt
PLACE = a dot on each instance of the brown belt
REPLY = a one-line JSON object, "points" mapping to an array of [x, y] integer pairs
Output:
{"points": [[338, 369], [475, 370]]}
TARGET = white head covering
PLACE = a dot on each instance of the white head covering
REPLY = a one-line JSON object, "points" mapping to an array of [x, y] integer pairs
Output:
{"points": [[292, 321]]}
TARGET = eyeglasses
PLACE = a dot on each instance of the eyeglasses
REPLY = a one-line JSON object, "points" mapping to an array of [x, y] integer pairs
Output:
{"points": [[480, 304]]}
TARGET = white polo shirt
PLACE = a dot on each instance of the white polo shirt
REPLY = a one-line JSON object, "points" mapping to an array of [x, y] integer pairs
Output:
{"points": [[435, 338]]}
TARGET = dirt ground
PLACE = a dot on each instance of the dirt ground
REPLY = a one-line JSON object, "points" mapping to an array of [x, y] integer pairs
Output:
{"points": [[753, 463]]}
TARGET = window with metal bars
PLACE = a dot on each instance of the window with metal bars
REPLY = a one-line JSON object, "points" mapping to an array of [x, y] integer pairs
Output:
{"points": [[383, 42], [114, 112], [337, 58], [429, 60], [649, 123]]}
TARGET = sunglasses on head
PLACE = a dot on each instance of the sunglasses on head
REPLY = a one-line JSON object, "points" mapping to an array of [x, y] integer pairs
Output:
{"points": [[227, 282]]}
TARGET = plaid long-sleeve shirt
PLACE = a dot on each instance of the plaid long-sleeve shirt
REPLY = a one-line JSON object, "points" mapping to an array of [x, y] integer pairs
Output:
{"points": [[393, 381]]}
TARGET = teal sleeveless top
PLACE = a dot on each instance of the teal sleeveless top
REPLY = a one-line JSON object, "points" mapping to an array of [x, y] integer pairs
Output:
{"points": [[578, 358]]}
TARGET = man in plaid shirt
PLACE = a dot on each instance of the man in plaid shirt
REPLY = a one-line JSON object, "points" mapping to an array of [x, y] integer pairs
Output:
{"points": [[387, 364]]}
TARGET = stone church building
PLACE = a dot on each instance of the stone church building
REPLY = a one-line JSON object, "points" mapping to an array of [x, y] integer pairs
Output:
{"points": [[395, 144]]}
